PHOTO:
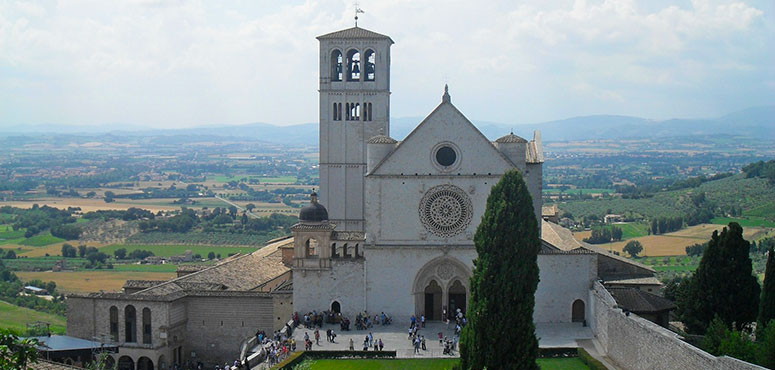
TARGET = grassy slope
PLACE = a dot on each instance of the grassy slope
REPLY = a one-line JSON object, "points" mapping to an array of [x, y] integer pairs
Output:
{"points": [[432, 364], [756, 197], [16, 318]]}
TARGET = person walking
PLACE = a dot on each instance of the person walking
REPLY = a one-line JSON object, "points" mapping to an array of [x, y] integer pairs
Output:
{"points": [[317, 336], [352, 345], [381, 345], [422, 340], [422, 320]]}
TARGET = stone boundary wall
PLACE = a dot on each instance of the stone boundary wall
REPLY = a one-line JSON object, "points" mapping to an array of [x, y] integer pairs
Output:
{"points": [[634, 343]]}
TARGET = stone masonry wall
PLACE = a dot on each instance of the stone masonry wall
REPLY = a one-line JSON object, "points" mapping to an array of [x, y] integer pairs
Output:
{"points": [[635, 343]]}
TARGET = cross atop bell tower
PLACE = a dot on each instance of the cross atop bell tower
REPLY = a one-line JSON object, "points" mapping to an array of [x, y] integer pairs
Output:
{"points": [[354, 106]]}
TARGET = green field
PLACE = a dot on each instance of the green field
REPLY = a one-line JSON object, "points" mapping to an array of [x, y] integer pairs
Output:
{"points": [[173, 250], [754, 195], [430, 364], [133, 267], [750, 221], [263, 180], [17, 318], [41, 240], [632, 229], [576, 191]]}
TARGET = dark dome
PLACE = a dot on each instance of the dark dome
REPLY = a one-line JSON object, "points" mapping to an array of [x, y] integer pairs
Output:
{"points": [[314, 211]]}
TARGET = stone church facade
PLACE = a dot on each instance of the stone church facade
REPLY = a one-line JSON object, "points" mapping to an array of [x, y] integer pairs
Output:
{"points": [[401, 215]]}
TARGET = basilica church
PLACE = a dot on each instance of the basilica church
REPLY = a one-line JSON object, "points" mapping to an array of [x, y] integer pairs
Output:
{"points": [[391, 230]]}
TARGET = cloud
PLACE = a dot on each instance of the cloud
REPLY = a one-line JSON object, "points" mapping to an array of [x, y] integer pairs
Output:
{"points": [[184, 63]]}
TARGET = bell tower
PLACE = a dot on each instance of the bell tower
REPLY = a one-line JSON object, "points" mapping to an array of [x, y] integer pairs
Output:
{"points": [[354, 106]]}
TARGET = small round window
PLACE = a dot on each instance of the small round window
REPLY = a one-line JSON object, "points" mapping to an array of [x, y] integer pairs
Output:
{"points": [[446, 156]]}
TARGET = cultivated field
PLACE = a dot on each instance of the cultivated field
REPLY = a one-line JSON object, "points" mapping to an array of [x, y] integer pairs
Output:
{"points": [[17, 318], [675, 243], [92, 280]]}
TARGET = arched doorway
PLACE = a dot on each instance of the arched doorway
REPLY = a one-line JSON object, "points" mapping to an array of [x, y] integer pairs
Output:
{"points": [[336, 307], [432, 301], [162, 363], [109, 362], [434, 283], [577, 311], [457, 298], [126, 363], [144, 363]]}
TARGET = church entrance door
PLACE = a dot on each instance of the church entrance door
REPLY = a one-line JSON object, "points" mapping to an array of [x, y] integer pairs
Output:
{"points": [[433, 301], [457, 298]]}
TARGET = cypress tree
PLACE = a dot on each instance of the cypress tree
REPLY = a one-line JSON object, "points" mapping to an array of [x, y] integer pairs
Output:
{"points": [[723, 284], [500, 333], [767, 305]]}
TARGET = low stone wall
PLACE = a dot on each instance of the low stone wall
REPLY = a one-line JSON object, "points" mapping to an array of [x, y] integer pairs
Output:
{"points": [[634, 343]]}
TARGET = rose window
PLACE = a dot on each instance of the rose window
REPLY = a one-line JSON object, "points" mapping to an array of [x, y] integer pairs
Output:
{"points": [[445, 210]]}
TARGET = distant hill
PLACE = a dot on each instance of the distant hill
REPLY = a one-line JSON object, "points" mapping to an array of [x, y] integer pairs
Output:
{"points": [[756, 122]]}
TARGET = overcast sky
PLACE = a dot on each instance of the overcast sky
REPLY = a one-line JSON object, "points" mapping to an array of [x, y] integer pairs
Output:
{"points": [[190, 63]]}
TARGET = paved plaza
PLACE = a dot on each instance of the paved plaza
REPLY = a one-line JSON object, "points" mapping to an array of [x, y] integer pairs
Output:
{"points": [[396, 337]]}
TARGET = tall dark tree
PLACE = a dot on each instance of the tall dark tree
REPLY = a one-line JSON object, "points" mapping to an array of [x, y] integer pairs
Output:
{"points": [[723, 284], [500, 333], [767, 306]]}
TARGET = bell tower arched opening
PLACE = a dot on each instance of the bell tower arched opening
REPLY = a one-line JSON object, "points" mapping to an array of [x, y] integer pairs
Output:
{"points": [[336, 65], [370, 65], [353, 65]]}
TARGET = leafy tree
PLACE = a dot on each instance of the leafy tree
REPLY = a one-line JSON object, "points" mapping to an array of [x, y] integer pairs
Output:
{"points": [[16, 353], [767, 304], [102, 362], [504, 282], [82, 251], [68, 250], [109, 195], [140, 254], [766, 339], [211, 255], [250, 207], [738, 345], [722, 285], [91, 194], [716, 333], [10, 255], [633, 248], [120, 253]]}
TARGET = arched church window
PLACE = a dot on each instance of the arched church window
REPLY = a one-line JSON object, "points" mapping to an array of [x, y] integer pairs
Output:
{"points": [[146, 325], [339, 110], [311, 248], [334, 254], [130, 324], [114, 323], [347, 111], [369, 111], [371, 60], [336, 65], [353, 65], [334, 113], [355, 252]]}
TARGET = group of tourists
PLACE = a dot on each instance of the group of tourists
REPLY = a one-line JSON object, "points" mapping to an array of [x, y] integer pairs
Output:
{"points": [[369, 342]]}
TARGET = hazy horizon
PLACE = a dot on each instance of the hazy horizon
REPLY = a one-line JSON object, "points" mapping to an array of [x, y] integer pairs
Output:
{"points": [[162, 64]]}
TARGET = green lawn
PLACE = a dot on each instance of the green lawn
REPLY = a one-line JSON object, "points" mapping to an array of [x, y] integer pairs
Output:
{"points": [[16, 318], [41, 240], [431, 364], [172, 250], [750, 221]]}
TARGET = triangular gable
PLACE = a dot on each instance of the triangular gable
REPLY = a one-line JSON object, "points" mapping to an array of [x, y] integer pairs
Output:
{"points": [[445, 124]]}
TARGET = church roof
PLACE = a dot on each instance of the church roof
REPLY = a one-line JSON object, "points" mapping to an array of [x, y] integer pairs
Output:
{"points": [[510, 138], [382, 139], [563, 238], [354, 33], [638, 301]]}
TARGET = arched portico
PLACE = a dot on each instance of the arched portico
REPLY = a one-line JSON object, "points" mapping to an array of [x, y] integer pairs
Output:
{"points": [[442, 282]]}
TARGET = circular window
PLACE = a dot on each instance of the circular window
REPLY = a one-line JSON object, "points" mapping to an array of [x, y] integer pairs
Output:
{"points": [[446, 156], [445, 210]]}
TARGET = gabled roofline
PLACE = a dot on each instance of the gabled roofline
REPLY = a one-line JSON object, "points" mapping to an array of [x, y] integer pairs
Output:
{"points": [[425, 120], [355, 33]]}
